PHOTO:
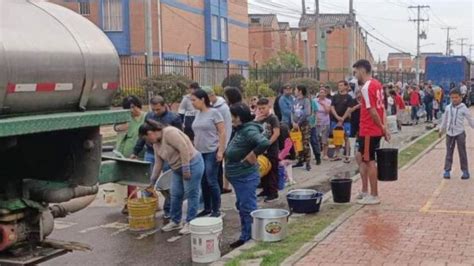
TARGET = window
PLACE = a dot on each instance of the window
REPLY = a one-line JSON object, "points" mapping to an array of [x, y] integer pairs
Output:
{"points": [[84, 8], [215, 27], [224, 29], [113, 15]]}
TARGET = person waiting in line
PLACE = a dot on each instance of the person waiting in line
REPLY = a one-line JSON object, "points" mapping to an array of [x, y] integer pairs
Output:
{"points": [[372, 129], [428, 102], [220, 105], [232, 95], [323, 120], [174, 147], [299, 117], [314, 138], [159, 113], [452, 124], [341, 105], [286, 105], [241, 166], [271, 130], [187, 111], [210, 141], [415, 103], [127, 134]]}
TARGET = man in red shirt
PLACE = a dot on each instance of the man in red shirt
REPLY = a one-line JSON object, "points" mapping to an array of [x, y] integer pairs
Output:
{"points": [[415, 102], [372, 129]]}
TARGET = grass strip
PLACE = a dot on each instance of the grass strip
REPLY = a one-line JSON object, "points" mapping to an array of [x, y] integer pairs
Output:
{"points": [[304, 230]]}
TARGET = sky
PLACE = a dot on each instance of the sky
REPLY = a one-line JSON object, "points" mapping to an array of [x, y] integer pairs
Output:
{"points": [[389, 21]]}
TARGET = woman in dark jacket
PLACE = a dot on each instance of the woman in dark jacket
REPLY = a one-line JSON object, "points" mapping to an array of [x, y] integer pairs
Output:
{"points": [[241, 165]]}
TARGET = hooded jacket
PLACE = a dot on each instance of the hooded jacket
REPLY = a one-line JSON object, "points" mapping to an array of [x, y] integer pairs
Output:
{"points": [[248, 137], [224, 110], [454, 118]]}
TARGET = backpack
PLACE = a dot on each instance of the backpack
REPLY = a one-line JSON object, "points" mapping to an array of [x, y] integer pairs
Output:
{"points": [[276, 107]]}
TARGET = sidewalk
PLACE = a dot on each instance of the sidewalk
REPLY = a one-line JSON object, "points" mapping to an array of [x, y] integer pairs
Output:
{"points": [[423, 220]]}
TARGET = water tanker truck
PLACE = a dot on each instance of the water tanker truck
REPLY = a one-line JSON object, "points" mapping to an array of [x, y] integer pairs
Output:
{"points": [[58, 75]]}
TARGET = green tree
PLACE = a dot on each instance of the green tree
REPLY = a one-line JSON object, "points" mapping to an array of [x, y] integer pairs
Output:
{"points": [[284, 60], [172, 87]]}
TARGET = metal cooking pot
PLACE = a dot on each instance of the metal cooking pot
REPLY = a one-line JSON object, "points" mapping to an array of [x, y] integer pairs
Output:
{"points": [[269, 225]]}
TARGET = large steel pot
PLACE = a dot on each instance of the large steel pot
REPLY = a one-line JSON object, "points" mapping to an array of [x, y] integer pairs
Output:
{"points": [[269, 225]]}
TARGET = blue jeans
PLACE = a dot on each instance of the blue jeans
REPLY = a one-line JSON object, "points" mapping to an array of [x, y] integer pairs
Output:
{"points": [[414, 113], [189, 188], [246, 193], [211, 191], [429, 111], [315, 145]]}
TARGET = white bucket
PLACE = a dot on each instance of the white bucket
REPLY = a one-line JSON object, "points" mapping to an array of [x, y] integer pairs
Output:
{"points": [[205, 239], [392, 124], [113, 194]]}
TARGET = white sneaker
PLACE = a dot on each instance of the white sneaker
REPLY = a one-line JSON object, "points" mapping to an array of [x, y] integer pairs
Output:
{"points": [[362, 195], [369, 200], [185, 230], [171, 226]]}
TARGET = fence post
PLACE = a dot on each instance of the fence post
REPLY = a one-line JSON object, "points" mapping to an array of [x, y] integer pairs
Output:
{"points": [[146, 65], [256, 71], [192, 68], [228, 68], [241, 70]]}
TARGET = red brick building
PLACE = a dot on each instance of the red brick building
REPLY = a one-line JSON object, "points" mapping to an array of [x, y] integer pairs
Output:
{"points": [[206, 30], [333, 43], [264, 36], [400, 62]]}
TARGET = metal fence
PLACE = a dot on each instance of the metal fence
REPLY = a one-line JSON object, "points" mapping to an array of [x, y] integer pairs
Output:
{"points": [[135, 69]]}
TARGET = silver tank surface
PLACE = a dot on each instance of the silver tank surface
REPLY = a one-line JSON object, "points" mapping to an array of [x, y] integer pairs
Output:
{"points": [[52, 60]]}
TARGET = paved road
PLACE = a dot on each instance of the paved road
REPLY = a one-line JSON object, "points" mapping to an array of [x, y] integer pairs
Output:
{"points": [[423, 220], [105, 229]]}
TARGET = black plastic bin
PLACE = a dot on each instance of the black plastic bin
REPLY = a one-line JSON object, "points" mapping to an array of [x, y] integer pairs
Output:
{"points": [[387, 164], [304, 200], [341, 190]]}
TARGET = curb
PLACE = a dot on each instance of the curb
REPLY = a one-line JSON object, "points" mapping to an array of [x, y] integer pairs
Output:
{"points": [[300, 253], [303, 251], [321, 236]]}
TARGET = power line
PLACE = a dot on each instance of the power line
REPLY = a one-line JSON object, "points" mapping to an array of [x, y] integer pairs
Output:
{"points": [[387, 44]]}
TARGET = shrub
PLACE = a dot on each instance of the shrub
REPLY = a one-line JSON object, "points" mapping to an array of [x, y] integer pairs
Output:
{"points": [[218, 90], [172, 87], [234, 80], [125, 92], [311, 84], [276, 85], [257, 88]]}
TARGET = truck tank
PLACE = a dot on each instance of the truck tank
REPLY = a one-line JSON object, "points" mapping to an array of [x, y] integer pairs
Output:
{"points": [[53, 60], [58, 75]]}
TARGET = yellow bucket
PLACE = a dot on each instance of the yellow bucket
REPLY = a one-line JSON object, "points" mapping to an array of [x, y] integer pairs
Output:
{"points": [[264, 165], [297, 137], [338, 136], [141, 211]]}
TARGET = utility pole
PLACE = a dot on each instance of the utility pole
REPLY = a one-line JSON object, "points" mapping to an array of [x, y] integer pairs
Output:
{"points": [[303, 4], [148, 38], [418, 20], [448, 42], [462, 44], [160, 36], [470, 51], [351, 36], [317, 30]]}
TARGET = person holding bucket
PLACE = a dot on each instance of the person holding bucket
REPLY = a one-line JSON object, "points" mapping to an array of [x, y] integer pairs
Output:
{"points": [[372, 129], [300, 117], [173, 146], [341, 105], [241, 165]]}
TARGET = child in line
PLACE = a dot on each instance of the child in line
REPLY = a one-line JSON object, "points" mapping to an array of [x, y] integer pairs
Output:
{"points": [[453, 125]]}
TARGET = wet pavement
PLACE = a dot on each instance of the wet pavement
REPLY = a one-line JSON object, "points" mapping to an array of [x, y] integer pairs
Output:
{"points": [[423, 220], [105, 229]]}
